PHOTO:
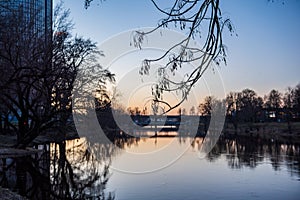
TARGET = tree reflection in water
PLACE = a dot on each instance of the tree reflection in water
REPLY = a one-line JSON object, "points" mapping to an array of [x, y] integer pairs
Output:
{"points": [[74, 170], [66, 170], [76, 173], [250, 152], [28, 175]]}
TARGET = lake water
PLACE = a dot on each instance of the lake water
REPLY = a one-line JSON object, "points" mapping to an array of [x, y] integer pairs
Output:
{"points": [[158, 168], [234, 170]]}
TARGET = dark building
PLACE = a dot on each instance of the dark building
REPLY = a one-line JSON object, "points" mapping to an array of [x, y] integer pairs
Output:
{"points": [[25, 51], [36, 14]]}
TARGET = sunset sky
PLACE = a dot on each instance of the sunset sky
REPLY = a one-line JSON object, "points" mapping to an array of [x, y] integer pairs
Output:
{"points": [[264, 55]]}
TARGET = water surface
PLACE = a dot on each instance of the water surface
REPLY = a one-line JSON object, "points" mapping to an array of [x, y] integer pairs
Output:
{"points": [[157, 168], [235, 169]]}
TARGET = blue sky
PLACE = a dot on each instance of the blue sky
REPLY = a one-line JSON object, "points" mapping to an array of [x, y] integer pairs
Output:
{"points": [[264, 55]]}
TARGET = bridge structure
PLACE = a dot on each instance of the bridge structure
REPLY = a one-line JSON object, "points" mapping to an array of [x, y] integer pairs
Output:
{"points": [[169, 122], [152, 122]]}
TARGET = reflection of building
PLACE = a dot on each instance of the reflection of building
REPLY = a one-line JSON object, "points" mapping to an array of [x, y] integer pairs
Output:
{"points": [[34, 13]]}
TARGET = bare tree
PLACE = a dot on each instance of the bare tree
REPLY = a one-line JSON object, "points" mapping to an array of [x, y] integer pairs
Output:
{"points": [[37, 87], [288, 100], [210, 105], [193, 110], [248, 100], [274, 100], [243, 107], [296, 99], [24, 57], [202, 19], [191, 16], [206, 107]]}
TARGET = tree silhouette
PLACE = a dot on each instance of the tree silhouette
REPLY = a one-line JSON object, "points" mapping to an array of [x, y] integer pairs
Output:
{"points": [[274, 99], [274, 102], [248, 103], [296, 99], [193, 110], [206, 106], [202, 19], [244, 107], [36, 88]]}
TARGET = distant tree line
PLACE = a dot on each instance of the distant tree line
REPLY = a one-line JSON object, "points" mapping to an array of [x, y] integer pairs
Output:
{"points": [[247, 106], [279, 106]]}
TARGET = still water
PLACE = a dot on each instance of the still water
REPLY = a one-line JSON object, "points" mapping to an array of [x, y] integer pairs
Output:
{"points": [[235, 169], [158, 168]]}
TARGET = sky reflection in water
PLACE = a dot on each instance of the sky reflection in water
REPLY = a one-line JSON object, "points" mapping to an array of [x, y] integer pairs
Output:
{"points": [[235, 169]]}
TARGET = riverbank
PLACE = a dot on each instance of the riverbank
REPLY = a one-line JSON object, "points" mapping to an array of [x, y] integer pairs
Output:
{"points": [[280, 132], [257, 133], [8, 141]]}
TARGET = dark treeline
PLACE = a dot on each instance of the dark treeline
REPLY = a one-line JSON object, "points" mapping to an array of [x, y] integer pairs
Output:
{"points": [[245, 110], [37, 76], [247, 106]]}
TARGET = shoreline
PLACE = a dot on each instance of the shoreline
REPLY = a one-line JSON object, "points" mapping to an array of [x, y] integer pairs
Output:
{"points": [[276, 131]]}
